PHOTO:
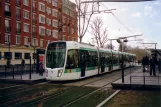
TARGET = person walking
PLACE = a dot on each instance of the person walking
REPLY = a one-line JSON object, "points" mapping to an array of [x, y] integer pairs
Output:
{"points": [[146, 63], [143, 63], [152, 66], [159, 65]]}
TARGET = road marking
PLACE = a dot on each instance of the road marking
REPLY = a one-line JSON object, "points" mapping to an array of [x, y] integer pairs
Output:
{"points": [[111, 96]]}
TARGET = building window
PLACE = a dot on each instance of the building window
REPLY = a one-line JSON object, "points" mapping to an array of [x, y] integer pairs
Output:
{"points": [[42, 19], [48, 10], [7, 55], [26, 27], [41, 7], [26, 14], [41, 43], [18, 2], [7, 26], [72, 31], [26, 41], [54, 3], [48, 21], [34, 6], [18, 55], [34, 42], [7, 7], [18, 39], [18, 13], [7, 38], [64, 37], [26, 2], [64, 28], [26, 55], [48, 32], [64, 19], [54, 13], [55, 33], [41, 30], [55, 23], [34, 29], [18, 26]]}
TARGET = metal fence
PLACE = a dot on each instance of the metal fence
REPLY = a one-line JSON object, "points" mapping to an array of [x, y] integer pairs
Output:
{"points": [[16, 70]]}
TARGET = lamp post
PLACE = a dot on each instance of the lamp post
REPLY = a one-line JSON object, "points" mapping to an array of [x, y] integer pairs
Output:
{"points": [[124, 39]]}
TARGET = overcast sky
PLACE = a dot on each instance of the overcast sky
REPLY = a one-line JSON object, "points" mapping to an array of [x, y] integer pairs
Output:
{"points": [[140, 18]]}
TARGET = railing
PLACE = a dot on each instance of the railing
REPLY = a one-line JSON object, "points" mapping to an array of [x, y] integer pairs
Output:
{"points": [[145, 80], [16, 71], [7, 13]]}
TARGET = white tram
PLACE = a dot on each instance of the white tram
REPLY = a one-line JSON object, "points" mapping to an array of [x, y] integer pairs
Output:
{"points": [[69, 60]]}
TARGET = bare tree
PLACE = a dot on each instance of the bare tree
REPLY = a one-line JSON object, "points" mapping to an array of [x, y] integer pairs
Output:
{"points": [[110, 46], [99, 32], [85, 12]]}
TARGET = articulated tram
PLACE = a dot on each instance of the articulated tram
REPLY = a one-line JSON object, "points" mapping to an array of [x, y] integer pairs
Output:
{"points": [[69, 60]]}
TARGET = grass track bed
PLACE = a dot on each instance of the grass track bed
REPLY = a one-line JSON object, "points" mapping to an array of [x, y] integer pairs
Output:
{"points": [[67, 96], [34, 92], [127, 98], [94, 99]]}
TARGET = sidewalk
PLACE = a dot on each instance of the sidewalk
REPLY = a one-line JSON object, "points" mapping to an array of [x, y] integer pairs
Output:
{"points": [[139, 79]]}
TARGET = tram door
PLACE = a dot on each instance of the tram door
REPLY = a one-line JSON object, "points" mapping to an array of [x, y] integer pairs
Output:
{"points": [[83, 62], [102, 62]]}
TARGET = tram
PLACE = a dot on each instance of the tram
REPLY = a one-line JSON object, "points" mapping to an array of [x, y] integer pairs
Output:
{"points": [[70, 60]]}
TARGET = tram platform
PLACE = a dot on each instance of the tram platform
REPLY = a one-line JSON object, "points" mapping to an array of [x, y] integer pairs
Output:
{"points": [[139, 80], [25, 78]]}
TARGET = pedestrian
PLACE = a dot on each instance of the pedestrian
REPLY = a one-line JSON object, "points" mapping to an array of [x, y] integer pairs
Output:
{"points": [[152, 66], [159, 65], [146, 63], [41, 68], [22, 66], [143, 63]]}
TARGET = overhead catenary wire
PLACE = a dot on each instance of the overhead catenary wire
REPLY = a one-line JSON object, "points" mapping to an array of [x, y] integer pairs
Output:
{"points": [[119, 20]]}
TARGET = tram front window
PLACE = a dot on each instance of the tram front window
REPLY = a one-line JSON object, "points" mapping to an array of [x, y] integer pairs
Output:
{"points": [[55, 56]]}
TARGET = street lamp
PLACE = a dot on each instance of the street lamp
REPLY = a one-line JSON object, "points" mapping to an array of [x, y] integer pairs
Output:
{"points": [[124, 39], [9, 46], [29, 45]]}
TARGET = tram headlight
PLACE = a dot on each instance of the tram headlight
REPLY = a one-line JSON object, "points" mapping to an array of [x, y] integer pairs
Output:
{"points": [[60, 73], [46, 71]]}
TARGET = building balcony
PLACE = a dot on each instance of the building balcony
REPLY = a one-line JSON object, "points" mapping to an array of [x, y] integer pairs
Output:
{"points": [[18, 17], [7, 13], [18, 31], [8, 29]]}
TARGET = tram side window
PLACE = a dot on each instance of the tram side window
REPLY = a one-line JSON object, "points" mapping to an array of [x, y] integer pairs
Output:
{"points": [[72, 59]]}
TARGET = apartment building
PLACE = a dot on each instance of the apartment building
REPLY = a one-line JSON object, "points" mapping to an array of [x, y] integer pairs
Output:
{"points": [[28, 25]]}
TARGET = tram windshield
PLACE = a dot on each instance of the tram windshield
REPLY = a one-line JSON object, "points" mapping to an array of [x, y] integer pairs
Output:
{"points": [[55, 55]]}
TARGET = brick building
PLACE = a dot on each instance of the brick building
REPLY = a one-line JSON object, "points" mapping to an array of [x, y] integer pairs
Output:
{"points": [[34, 23]]}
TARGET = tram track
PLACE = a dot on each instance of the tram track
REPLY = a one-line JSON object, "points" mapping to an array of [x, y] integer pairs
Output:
{"points": [[55, 95], [100, 88]]}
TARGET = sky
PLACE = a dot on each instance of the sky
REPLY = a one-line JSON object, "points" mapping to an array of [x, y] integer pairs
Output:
{"points": [[136, 18]]}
